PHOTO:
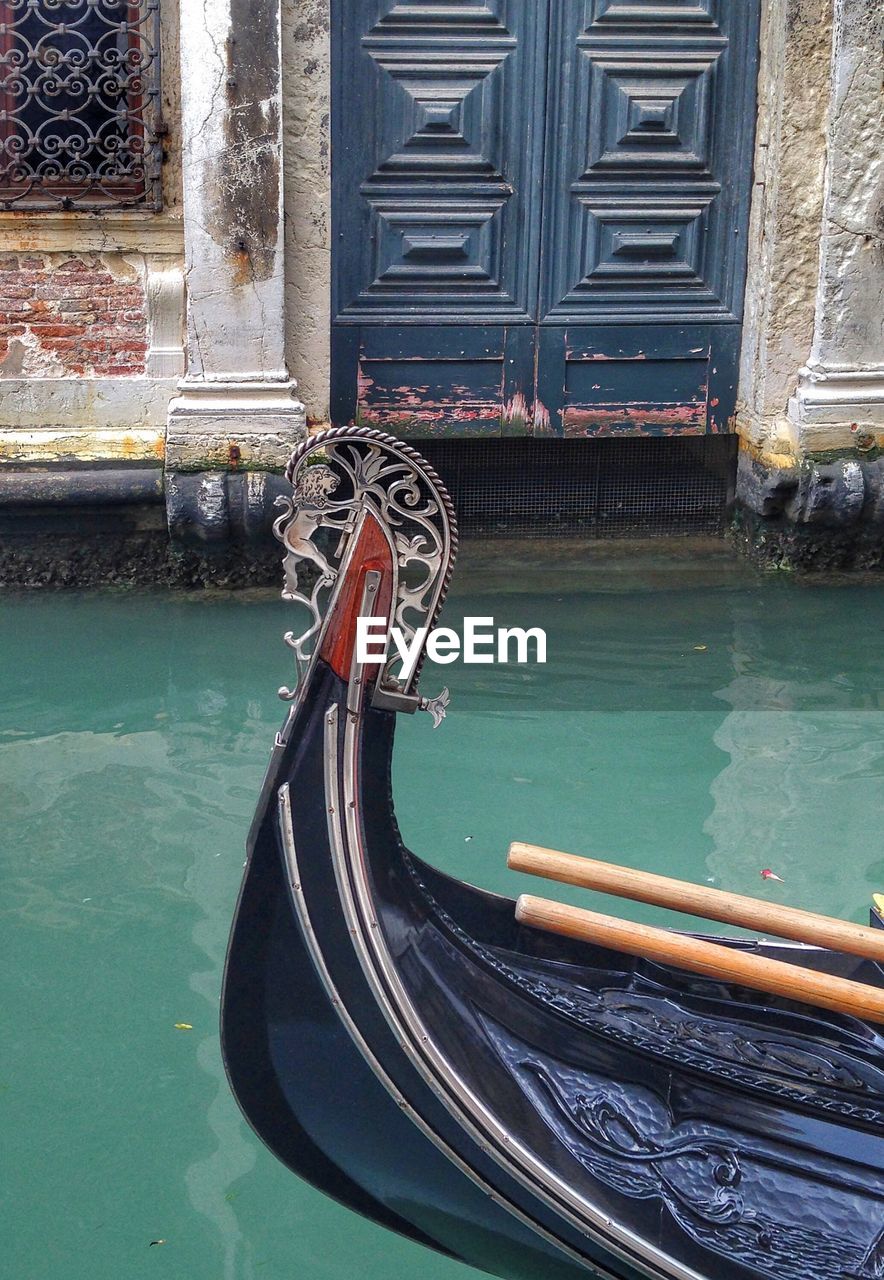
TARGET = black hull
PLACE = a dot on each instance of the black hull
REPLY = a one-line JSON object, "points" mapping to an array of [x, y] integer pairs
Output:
{"points": [[537, 1107], [568, 1044], [303, 1085]]}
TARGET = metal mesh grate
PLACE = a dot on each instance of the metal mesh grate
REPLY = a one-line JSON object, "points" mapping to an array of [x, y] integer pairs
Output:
{"points": [[597, 488], [79, 103]]}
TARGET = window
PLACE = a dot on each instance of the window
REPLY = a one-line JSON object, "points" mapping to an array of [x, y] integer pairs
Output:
{"points": [[79, 104]]}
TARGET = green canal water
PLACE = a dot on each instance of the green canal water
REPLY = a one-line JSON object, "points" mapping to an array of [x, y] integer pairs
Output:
{"points": [[692, 718]]}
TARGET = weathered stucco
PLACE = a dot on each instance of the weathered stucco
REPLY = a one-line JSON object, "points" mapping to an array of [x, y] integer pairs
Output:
{"points": [[810, 482], [786, 214], [128, 440], [237, 405], [236, 416], [91, 356], [839, 403], [306, 104], [170, 55], [72, 314], [813, 356], [231, 158], [850, 303], [64, 398]]}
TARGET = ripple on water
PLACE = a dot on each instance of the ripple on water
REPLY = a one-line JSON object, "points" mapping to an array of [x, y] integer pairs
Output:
{"points": [[703, 730]]}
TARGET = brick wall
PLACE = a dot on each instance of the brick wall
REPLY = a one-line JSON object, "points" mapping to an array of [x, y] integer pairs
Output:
{"points": [[65, 315]]}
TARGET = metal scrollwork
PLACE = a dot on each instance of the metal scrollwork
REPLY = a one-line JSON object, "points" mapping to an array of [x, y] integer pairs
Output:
{"points": [[79, 103], [335, 476]]}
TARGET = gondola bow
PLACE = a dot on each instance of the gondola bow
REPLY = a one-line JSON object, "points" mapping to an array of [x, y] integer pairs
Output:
{"points": [[529, 1104]]}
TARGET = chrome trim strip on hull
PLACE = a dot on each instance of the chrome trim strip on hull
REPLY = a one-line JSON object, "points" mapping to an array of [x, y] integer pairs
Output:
{"points": [[268, 786], [303, 913], [405, 1021]]}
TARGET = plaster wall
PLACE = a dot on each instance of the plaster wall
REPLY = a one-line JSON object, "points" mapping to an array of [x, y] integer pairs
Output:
{"points": [[839, 402], [850, 301], [306, 109], [91, 316], [230, 129], [810, 481], [786, 215]]}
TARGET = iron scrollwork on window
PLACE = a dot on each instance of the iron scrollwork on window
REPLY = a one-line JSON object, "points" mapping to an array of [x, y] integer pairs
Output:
{"points": [[79, 104]]}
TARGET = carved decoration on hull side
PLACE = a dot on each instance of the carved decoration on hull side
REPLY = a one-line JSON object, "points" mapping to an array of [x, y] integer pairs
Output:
{"points": [[780, 1212], [839, 1078]]}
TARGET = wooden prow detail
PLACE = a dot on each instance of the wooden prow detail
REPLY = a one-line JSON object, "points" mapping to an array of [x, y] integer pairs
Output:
{"points": [[371, 550], [699, 900], [709, 959]]}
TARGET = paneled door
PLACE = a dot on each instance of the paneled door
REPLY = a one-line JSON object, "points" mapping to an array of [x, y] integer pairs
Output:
{"points": [[540, 213]]}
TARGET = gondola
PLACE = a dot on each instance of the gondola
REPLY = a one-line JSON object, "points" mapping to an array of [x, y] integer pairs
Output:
{"points": [[536, 1105]]}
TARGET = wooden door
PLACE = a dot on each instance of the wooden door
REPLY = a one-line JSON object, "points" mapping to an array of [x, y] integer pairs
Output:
{"points": [[540, 212]]}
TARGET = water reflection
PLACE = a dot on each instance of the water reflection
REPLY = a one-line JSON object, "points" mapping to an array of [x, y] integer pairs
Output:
{"points": [[703, 730], [805, 738]]}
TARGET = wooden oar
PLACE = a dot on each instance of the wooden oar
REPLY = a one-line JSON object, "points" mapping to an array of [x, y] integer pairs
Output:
{"points": [[698, 900], [710, 959]]}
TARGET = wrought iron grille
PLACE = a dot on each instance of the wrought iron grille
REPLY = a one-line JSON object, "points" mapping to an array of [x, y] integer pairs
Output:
{"points": [[79, 104]]}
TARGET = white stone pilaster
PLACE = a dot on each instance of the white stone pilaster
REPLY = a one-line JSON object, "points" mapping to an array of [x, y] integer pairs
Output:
{"points": [[236, 405], [839, 401]]}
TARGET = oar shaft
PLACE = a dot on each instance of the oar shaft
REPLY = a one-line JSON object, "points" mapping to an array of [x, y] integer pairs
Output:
{"points": [[699, 900], [709, 959]]}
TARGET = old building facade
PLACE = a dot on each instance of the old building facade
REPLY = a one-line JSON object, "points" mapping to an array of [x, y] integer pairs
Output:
{"points": [[224, 224]]}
